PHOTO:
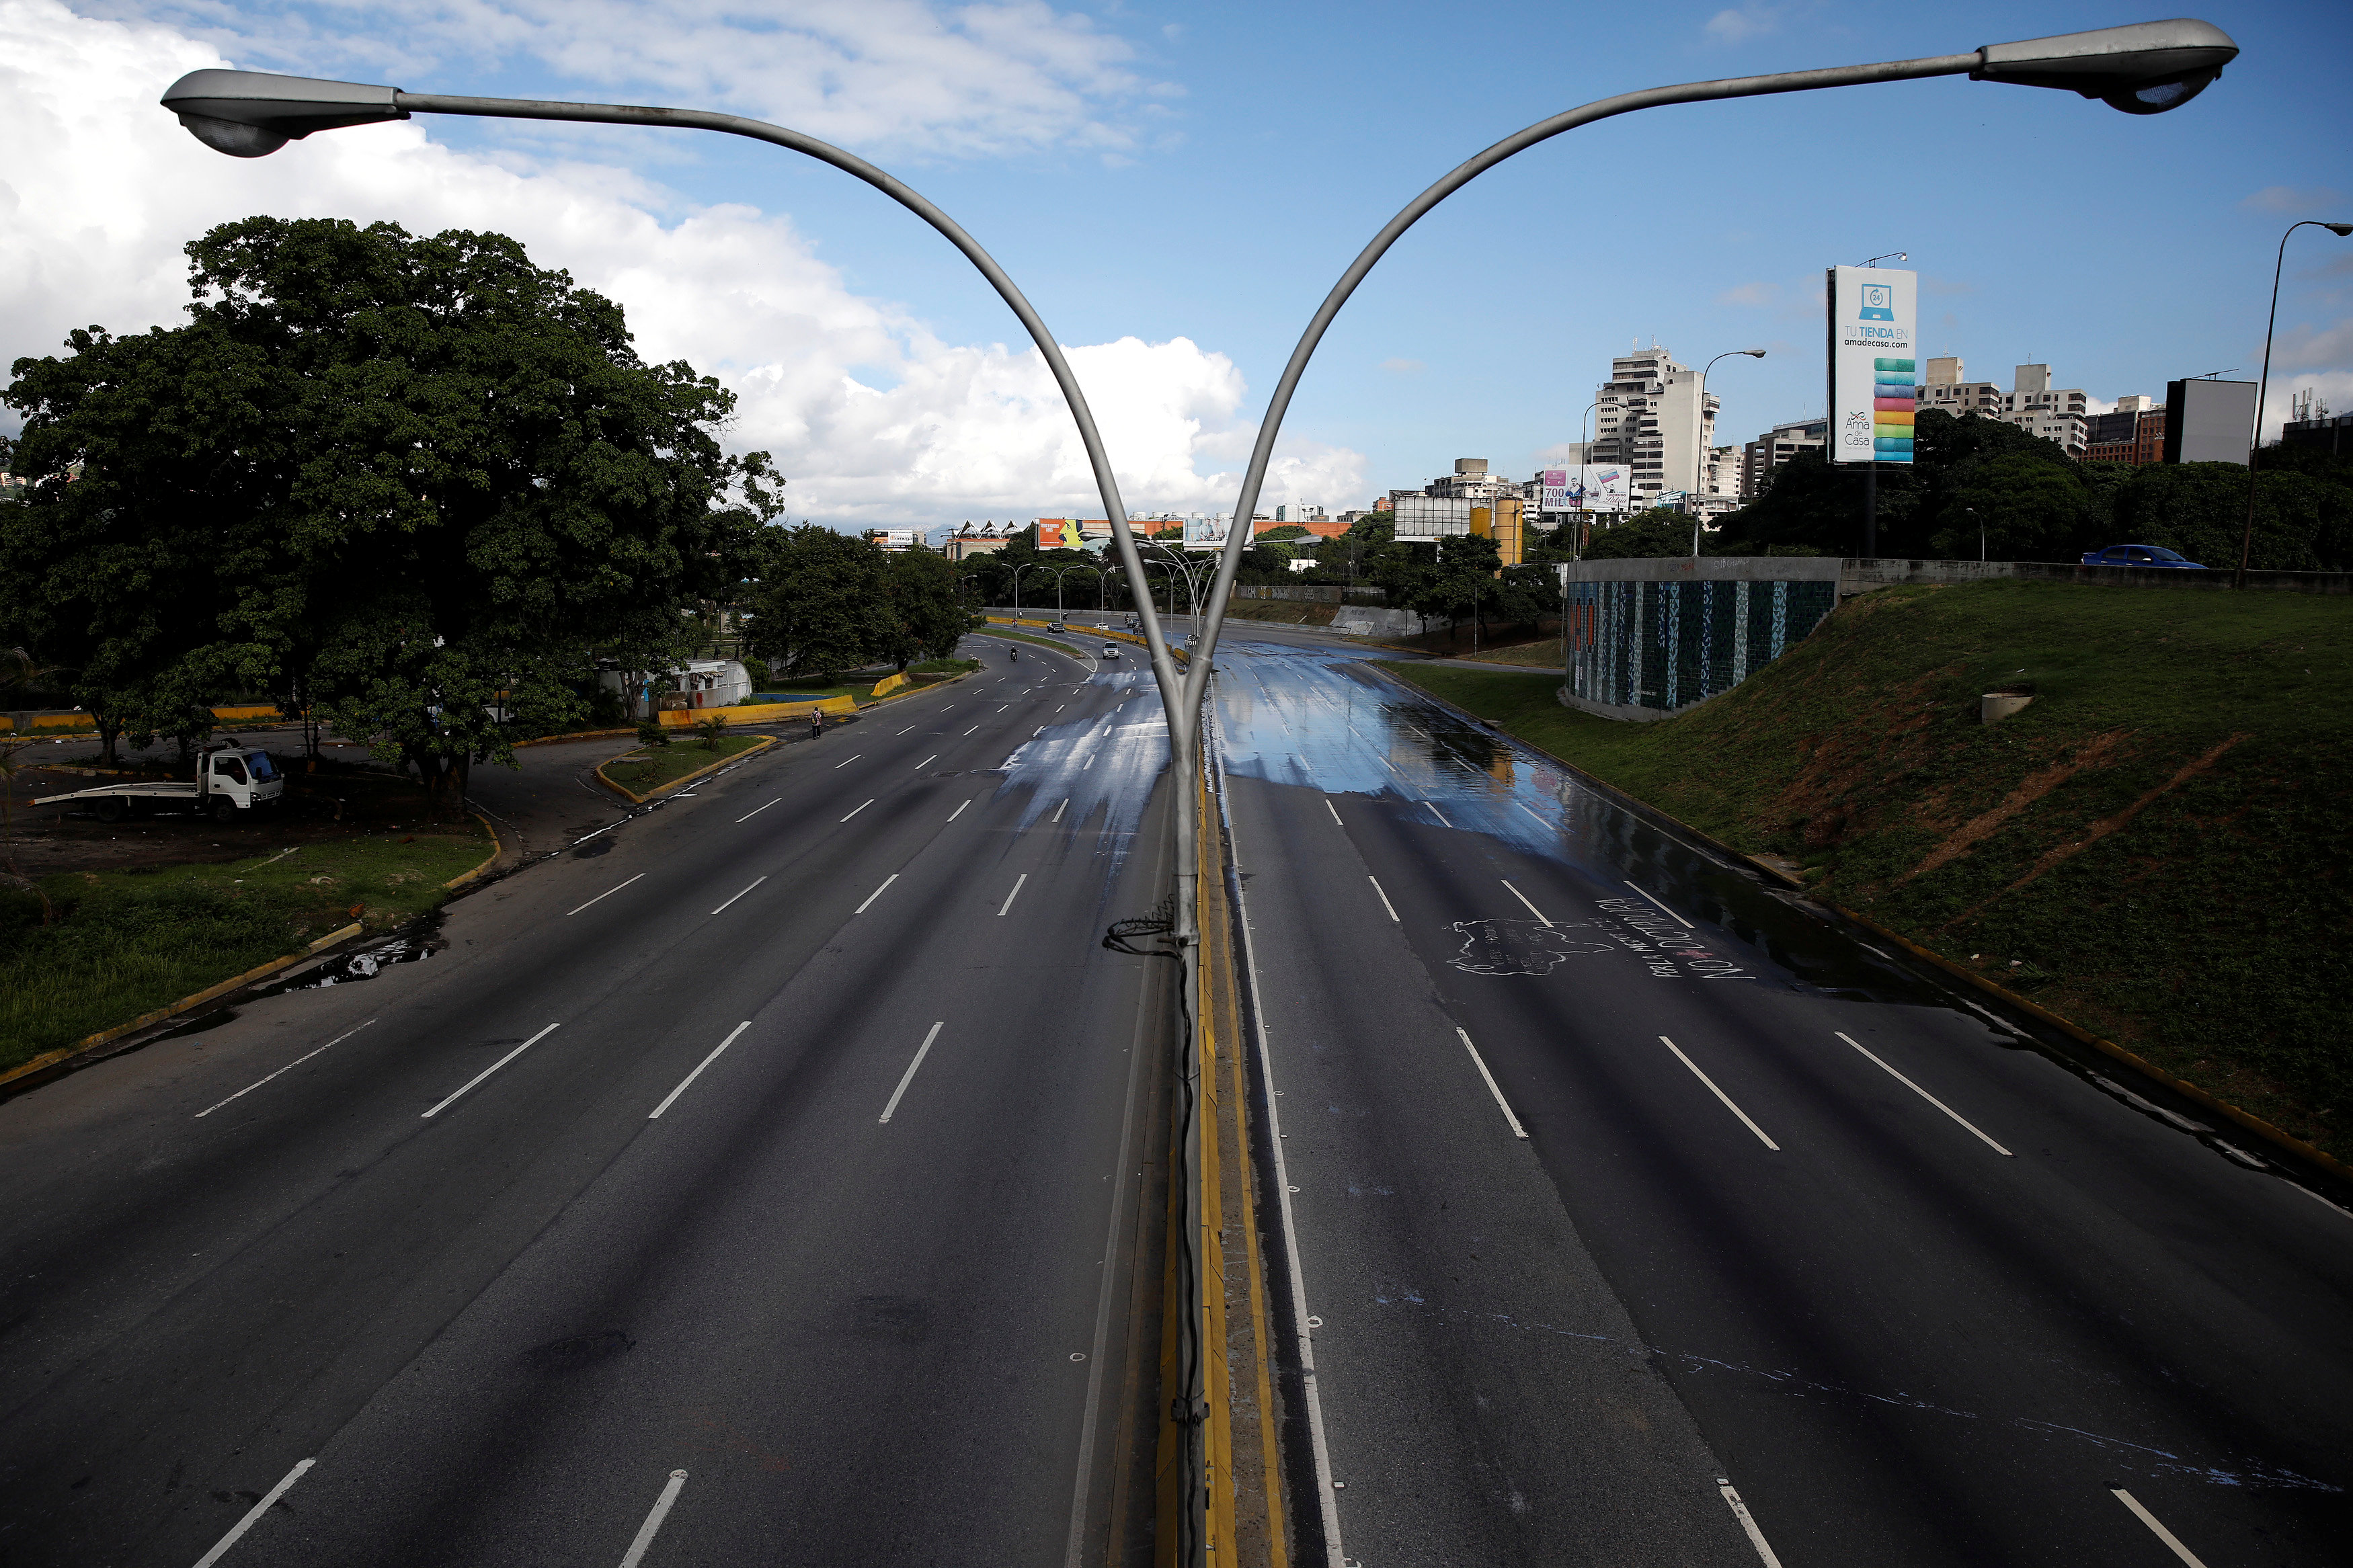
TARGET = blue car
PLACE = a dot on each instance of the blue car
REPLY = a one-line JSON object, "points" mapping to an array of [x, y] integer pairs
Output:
{"points": [[2139, 555]]}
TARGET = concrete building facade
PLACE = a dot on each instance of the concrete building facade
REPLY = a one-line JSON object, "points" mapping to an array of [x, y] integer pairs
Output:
{"points": [[1651, 418]]}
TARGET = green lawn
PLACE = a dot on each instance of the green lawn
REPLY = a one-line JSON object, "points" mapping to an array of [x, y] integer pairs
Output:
{"points": [[649, 768], [2160, 841], [127, 943]]}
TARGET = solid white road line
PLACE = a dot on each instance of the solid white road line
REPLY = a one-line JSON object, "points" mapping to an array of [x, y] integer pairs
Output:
{"points": [[1014, 894], [1376, 881], [959, 810], [1501, 1103], [1060, 706], [1720, 1094], [492, 1068], [297, 1062], [1002, 709], [756, 811], [1061, 808], [968, 733], [920, 1052], [927, 762], [908, 730], [1755, 1536], [603, 896], [697, 1073], [1666, 911], [886, 882], [1334, 811], [220, 1547], [846, 761], [1523, 899], [860, 807], [2122, 1497], [1533, 813], [637, 1553], [1436, 813], [1037, 731], [757, 880], [1922, 1093]]}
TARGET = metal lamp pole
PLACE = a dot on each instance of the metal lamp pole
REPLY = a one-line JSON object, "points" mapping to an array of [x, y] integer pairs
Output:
{"points": [[1699, 453], [2262, 388], [249, 114]]}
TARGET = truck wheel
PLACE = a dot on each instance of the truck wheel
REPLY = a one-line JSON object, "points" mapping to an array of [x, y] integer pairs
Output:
{"points": [[111, 808], [223, 810]]}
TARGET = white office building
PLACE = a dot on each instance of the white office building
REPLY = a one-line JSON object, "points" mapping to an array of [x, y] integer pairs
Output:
{"points": [[1650, 419], [2060, 414]]}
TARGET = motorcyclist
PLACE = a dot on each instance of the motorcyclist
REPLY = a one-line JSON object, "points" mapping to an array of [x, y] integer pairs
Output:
{"points": [[1016, 656]]}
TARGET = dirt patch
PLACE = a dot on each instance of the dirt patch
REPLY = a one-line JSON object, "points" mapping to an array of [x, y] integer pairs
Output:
{"points": [[1980, 828]]}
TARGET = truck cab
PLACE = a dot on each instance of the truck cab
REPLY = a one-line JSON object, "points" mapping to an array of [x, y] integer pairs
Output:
{"points": [[237, 778]]}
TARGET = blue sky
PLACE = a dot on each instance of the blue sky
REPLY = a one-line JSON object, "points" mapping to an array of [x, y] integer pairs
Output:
{"points": [[1194, 179]]}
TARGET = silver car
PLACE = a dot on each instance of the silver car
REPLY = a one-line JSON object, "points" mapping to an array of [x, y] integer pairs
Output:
{"points": [[1111, 651]]}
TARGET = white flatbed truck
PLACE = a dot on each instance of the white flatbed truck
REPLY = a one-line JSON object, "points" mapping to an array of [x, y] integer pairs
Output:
{"points": [[232, 781]]}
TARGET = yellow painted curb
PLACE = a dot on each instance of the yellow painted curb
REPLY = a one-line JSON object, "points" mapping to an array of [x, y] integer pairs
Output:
{"points": [[764, 741], [497, 850], [184, 1004]]}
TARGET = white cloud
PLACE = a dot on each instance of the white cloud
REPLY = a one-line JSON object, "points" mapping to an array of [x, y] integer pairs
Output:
{"points": [[2335, 387], [2306, 201], [2317, 348], [1739, 27], [872, 417], [890, 75]]}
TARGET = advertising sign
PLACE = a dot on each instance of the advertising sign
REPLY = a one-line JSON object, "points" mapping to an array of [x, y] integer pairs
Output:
{"points": [[1601, 487], [1206, 532], [1873, 363], [1050, 533], [1431, 517], [1555, 485]]}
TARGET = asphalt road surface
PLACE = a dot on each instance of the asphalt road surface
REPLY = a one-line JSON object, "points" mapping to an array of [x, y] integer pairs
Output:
{"points": [[1788, 1226], [753, 1183]]}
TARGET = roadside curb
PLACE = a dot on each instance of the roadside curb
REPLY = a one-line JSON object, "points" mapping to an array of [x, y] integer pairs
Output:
{"points": [[764, 741], [63, 1060], [2077, 1032], [911, 689], [575, 735], [498, 847]]}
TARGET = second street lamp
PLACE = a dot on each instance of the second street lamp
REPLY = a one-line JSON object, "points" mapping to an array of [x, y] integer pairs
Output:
{"points": [[2262, 388], [1699, 450]]}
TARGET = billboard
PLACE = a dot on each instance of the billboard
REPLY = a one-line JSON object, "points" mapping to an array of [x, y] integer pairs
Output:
{"points": [[1596, 486], [1431, 517], [2209, 421], [1053, 534], [1207, 532], [1873, 363]]}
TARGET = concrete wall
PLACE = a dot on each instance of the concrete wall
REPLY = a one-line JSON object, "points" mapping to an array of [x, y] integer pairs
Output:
{"points": [[1861, 577]]}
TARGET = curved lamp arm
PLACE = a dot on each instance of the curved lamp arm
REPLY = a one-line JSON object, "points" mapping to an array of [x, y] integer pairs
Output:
{"points": [[2144, 69]]}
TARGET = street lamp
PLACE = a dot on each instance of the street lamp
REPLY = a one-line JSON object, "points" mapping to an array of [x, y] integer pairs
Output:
{"points": [[2147, 67], [1699, 452], [2262, 388]]}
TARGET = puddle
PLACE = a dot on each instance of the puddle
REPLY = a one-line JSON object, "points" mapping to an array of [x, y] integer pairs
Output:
{"points": [[365, 964]]}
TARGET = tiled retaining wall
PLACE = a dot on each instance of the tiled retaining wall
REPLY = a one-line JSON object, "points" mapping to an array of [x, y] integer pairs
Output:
{"points": [[1642, 650]]}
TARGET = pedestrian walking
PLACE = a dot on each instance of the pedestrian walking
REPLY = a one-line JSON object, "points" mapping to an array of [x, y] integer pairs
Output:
{"points": [[816, 722]]}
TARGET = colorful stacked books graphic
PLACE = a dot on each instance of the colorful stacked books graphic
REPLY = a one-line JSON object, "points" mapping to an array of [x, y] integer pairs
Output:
{"points": [[1893, 395]]}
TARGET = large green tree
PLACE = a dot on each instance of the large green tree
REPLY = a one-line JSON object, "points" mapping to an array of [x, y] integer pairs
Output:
{"points": [[421, 484], [822, 604]]}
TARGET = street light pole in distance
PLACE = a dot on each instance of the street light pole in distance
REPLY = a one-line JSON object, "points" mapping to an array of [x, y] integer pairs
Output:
{"points": [[1699, 454], [2262, 388]]}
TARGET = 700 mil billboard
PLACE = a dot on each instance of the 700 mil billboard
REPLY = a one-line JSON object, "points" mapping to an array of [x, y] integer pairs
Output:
{"points": [[1873, 363]]}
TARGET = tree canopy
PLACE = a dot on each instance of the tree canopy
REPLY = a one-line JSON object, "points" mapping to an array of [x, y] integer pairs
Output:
{"points": [[826, 602], [420, 485]]}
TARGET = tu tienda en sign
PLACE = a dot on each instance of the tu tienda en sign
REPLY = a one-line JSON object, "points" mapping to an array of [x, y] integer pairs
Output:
{"points": [[1873, 365]]}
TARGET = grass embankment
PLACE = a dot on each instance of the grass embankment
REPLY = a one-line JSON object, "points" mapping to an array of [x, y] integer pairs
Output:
{"points": [[127, 943], [2158, 849], [644, 770]]}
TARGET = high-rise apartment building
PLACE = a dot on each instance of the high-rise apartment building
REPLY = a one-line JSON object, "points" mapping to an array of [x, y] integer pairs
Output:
{"points": [[1650, 418], [1776, 446], [1946, 390], [2060, 414], [2133, 432]]}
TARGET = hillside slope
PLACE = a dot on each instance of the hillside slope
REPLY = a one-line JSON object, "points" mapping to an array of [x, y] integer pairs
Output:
{"points": [[2158, 847]]}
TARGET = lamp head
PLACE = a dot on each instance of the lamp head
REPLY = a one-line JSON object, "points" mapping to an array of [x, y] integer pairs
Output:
{"points": [[2145, 68], [2341, 230], [1753, 353], [251, 114]]}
